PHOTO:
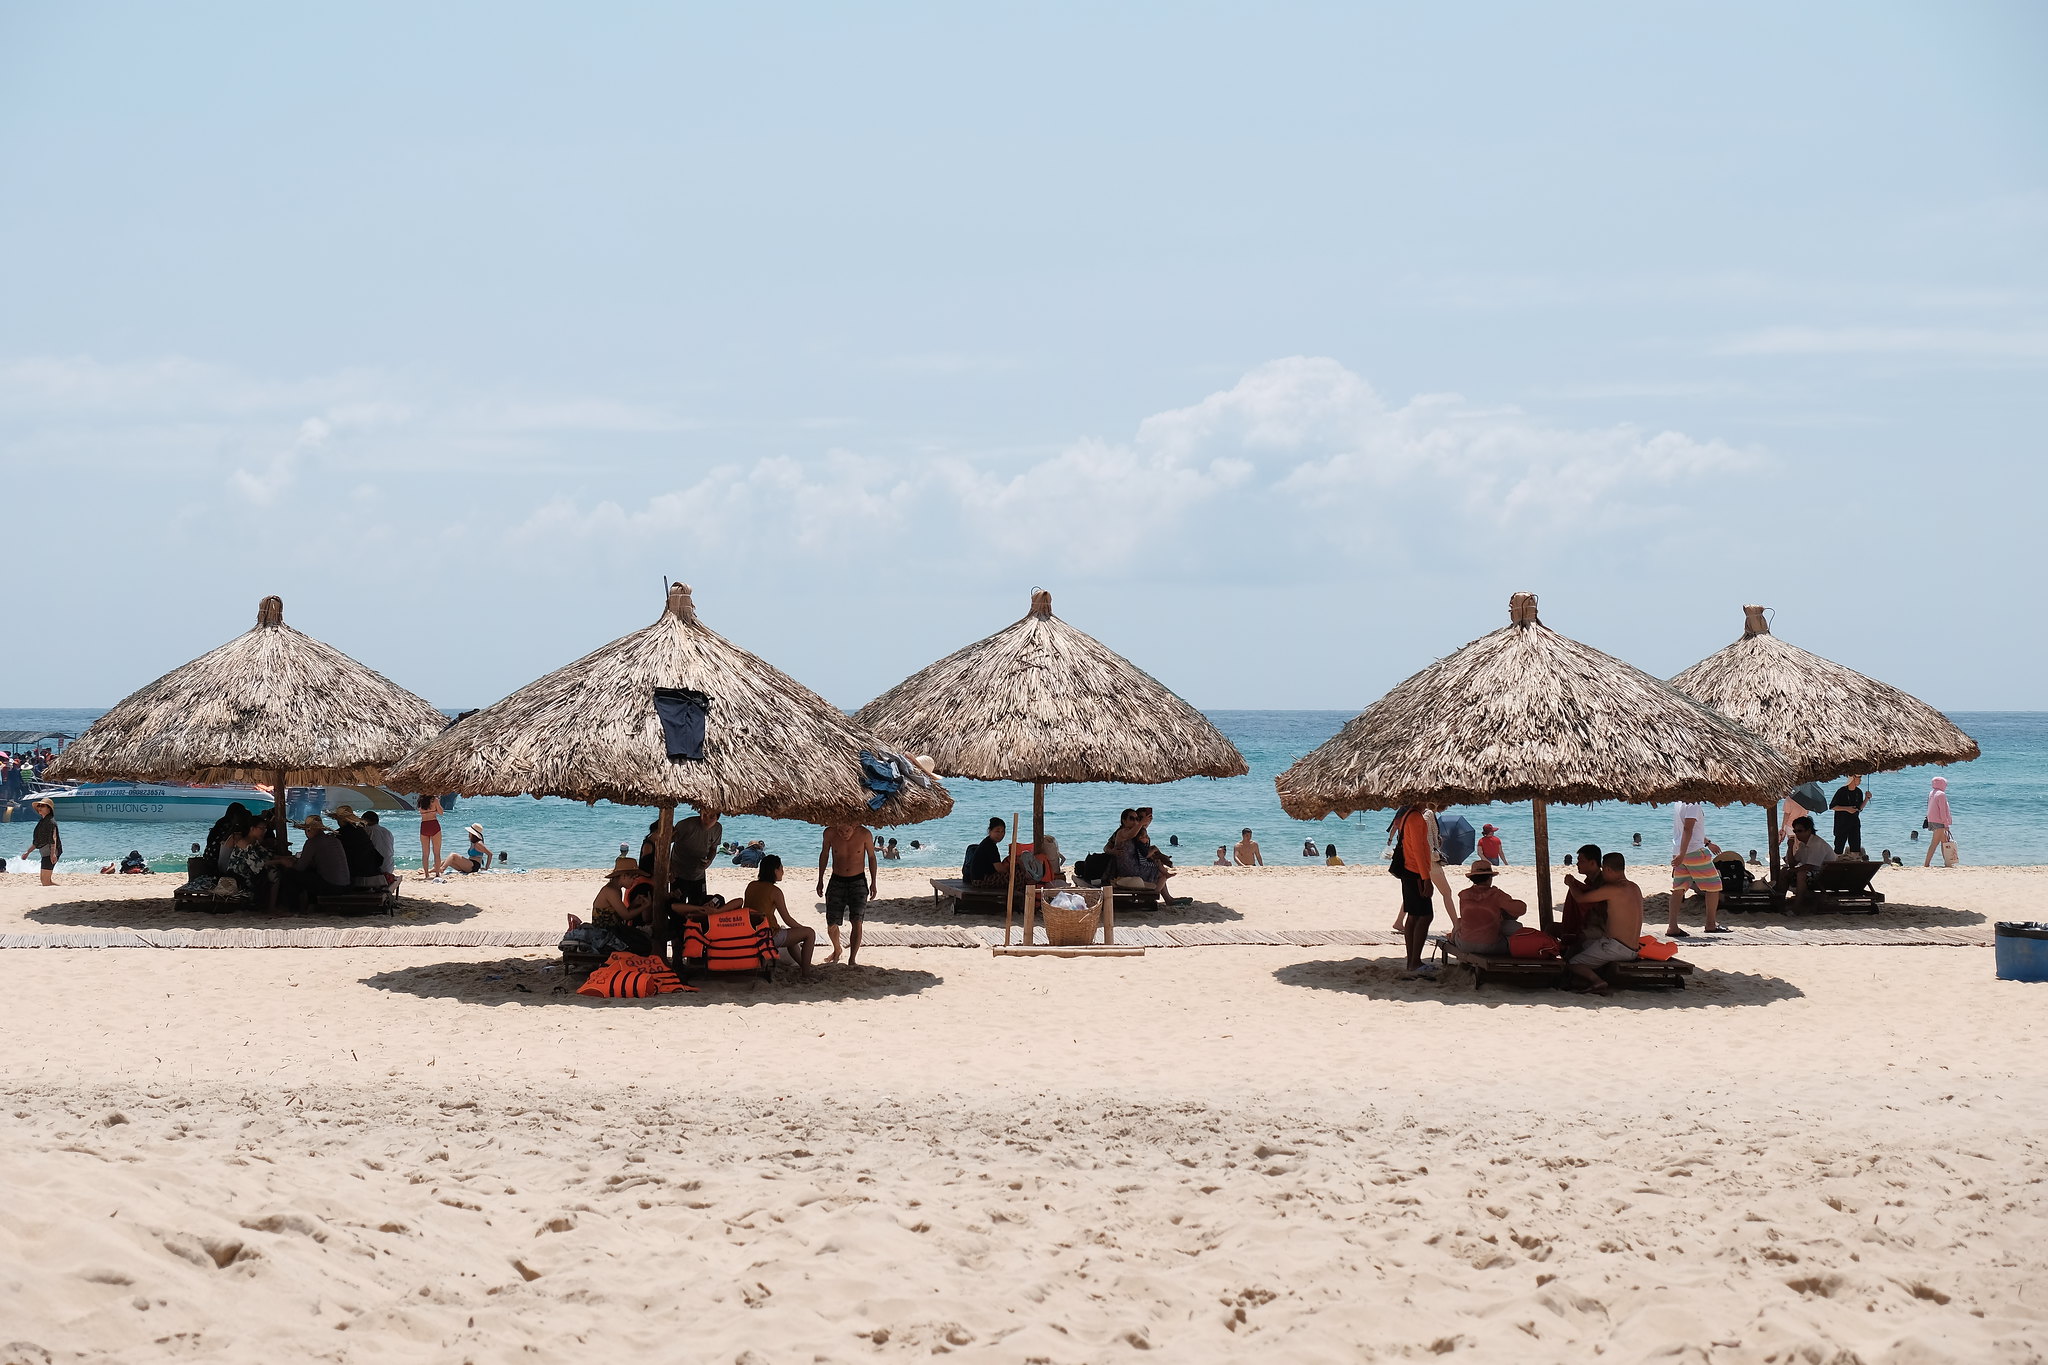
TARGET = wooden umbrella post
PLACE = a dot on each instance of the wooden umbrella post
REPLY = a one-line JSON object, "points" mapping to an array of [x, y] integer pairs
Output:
{"points": [[657, 900], [1541, 813], [1771, 833], [1010, 895], [1038, 818], [283, 840]]}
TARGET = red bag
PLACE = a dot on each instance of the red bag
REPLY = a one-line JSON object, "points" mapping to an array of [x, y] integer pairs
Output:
{"points": [[1533, 943]]}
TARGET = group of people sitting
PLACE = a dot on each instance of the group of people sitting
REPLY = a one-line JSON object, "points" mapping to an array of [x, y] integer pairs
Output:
{"points": [[243, 860], [1601, 920]]}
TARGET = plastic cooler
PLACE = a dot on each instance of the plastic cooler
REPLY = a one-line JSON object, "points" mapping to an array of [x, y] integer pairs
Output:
{"points": [[2023, 952]]}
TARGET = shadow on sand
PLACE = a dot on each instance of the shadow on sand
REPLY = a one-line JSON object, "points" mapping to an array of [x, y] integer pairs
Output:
{"points": [[535, 981], [164, 914], [915, 910], [1891, 915], [1378, 978]]}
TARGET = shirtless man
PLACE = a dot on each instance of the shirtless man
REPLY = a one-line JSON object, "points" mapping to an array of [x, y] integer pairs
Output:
{"points": [[1614, 923], [847, 847], [1571, 918], [1248, 852]]}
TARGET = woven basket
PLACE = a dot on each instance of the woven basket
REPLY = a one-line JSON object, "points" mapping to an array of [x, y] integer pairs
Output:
{"points": [[1069, 928]]}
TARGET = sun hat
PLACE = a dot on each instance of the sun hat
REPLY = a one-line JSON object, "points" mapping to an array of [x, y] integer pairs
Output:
{"points": [[1480, 868], [345, 815], [41, 804], [475, 831], [624, 864], [926, 762], [313, 824]]}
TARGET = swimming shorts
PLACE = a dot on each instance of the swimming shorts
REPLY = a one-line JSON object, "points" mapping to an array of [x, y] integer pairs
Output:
{"points": [[846, 897], [1598, 952], [429, 828], [1696, 870]]}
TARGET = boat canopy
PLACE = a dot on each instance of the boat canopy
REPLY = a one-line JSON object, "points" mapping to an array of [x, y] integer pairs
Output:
{"points": [[28, 739]]}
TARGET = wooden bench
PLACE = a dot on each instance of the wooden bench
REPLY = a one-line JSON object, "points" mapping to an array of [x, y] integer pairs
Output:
{"points": [[358, 900], [962, 899], [1842, 885], [1640, 971]]}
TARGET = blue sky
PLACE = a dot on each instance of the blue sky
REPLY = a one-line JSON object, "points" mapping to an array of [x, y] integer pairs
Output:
{"points": [[1281, 342]]}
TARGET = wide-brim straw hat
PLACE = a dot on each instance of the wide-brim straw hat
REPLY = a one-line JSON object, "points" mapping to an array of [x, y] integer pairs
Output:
{"points": [[313, 824], [40, 804], [475, 831], [1480, 868], [345, 815]]}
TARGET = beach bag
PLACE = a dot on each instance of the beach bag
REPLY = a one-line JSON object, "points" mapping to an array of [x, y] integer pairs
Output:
{"points": [[1656, 949], [1533, 943], [1949, 855], [1095, 868], [1454, 838]]}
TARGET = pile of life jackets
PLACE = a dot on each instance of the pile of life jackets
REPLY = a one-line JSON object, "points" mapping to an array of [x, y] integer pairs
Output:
{"points": [[626, 976]]}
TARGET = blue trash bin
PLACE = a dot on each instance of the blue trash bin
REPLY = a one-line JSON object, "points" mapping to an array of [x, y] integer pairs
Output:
{"points": [[2023, 952]]}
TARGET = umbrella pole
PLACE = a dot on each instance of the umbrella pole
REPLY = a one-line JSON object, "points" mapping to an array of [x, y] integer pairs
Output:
{"points": [[657, 900], [283, 841], [1771, 832], [1541, 814], [1010, 895], [1038, 818]]}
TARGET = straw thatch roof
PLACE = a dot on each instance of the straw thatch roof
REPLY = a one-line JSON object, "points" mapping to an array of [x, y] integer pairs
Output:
{"points": [[589, 731], [1040, 701], [1526, 714], [273, 698], [1830, 721]]}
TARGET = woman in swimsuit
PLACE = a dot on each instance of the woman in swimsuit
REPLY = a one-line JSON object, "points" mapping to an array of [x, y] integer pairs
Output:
{"points": [[430, 836], [765, 901]]}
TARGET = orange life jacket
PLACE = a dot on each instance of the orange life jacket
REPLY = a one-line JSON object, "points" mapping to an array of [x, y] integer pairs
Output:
{"points": [[626, 976], [729, 941]]}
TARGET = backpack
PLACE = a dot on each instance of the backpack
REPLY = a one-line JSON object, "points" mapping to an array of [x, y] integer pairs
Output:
{"points": [[1454, 838], [1533, 943], [1095, 869]]}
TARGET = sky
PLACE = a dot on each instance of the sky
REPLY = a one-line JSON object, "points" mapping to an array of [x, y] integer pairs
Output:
{"points": [[1281, 342]]}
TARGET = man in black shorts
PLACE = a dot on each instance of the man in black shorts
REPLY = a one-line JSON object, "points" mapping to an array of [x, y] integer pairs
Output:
{"points": [[847, 847]]}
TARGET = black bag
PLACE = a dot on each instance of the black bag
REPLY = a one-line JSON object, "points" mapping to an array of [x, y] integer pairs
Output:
{"points": [[1096, 868]]}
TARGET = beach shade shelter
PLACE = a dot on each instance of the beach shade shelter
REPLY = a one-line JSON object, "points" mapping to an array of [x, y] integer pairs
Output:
{"points": [[1527, 714], [1041, 702], [273, 705], [590, 731], [1828, 720]]}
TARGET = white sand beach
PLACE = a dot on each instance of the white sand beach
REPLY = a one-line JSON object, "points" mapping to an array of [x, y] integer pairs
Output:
{"points": [[1824, 1154]]}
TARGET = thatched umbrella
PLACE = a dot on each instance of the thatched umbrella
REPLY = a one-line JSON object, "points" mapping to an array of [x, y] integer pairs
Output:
{"points": [[1040, 702], [1526, 714], [272, 705], [1830, 721], [589, 731]]}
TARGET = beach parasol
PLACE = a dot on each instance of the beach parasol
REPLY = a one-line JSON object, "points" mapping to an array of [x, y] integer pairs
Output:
{"points": [[1040, 702], [589, 731], [1829, 720], [272, 705], [1526, 714]]}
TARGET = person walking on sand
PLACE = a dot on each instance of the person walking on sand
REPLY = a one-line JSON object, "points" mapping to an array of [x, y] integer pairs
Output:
{"points": [[1850, 799], [1938, 821], [45, 842], [1415, 857], [430, 837], [1247, 852], [1692, 866], [850, 850]]}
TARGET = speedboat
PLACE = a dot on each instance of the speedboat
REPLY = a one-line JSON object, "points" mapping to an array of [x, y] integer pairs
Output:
{"points": [[147, 802]]}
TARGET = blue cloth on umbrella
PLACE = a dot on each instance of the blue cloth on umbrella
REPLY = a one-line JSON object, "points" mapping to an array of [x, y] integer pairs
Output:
{"points": [[881, 774], [683, 713]]}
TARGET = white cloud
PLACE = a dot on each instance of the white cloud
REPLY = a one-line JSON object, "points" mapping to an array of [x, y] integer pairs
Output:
{"points": [[266, 487], [1301, 457]]}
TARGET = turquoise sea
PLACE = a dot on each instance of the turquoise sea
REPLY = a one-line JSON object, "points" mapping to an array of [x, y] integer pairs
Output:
{"points": [[2000, 803]]}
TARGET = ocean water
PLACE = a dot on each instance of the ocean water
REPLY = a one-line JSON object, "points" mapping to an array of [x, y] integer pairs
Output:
{"points": [[2000, 803]]}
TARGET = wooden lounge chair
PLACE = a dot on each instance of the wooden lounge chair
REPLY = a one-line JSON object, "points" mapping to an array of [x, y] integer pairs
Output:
{"points": [[1842, 885], [988, 900], [1640, 971]]}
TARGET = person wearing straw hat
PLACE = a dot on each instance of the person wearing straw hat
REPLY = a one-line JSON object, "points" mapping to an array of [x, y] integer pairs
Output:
{"points": [[475, 859], [46, 841], [1485, 916]]}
